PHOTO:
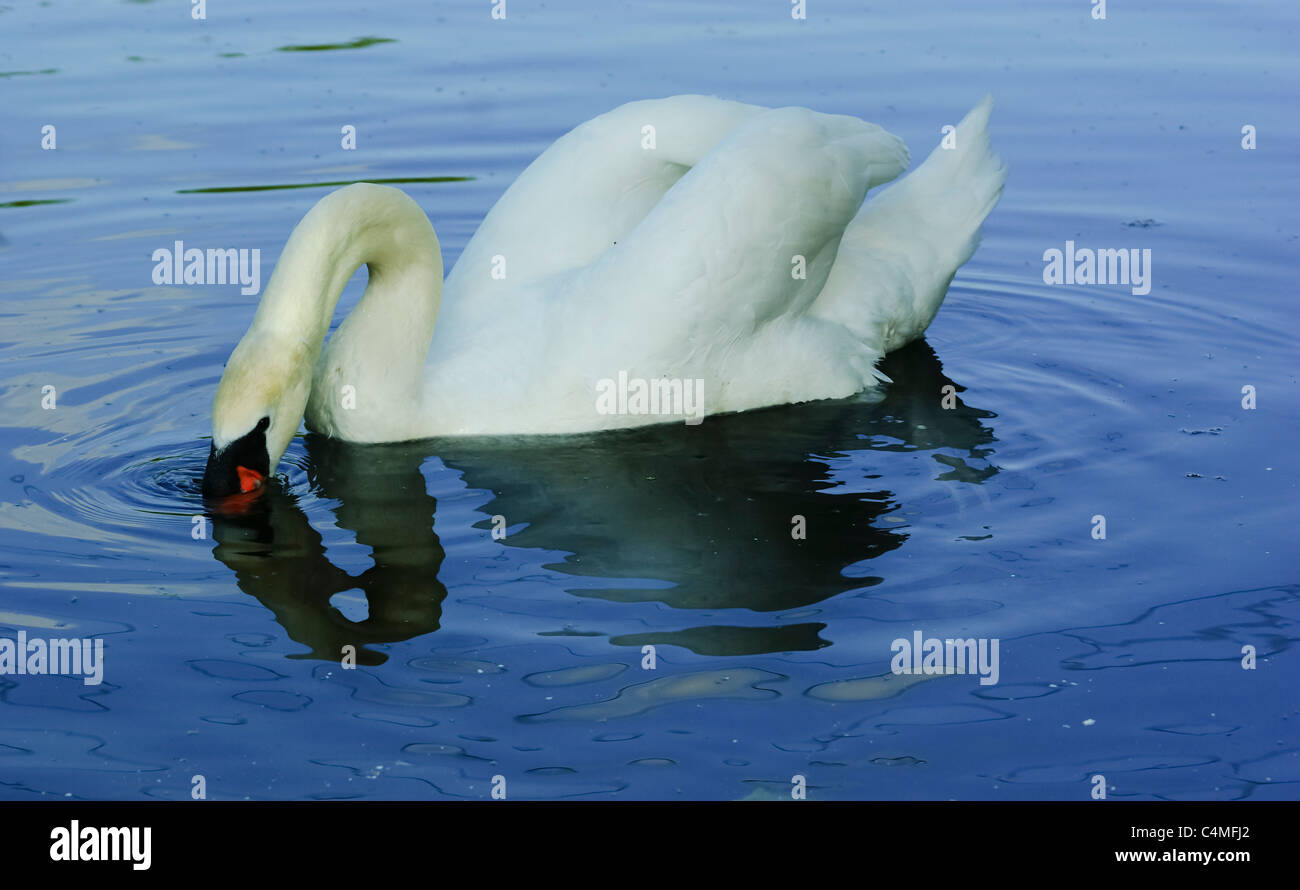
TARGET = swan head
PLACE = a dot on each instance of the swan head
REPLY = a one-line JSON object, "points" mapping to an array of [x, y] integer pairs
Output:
{"points": [[259, 404]]}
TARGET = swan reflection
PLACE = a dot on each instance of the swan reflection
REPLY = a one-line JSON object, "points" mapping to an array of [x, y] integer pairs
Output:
{"points": [[707, 509], [279, 558]]}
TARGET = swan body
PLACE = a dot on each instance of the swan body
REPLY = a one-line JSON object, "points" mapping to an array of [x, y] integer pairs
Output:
{"points": [[688, 238]]}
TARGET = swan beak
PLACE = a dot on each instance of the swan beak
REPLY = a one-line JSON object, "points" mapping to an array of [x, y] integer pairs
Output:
{"points": [[249, 480], [227, 478], [241, 467]]}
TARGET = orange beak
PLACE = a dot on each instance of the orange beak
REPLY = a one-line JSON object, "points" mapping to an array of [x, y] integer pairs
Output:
{"points": [[249, 480]]}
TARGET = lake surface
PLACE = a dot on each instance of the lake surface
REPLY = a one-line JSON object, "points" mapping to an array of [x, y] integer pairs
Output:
{"points": [[523, 657]]}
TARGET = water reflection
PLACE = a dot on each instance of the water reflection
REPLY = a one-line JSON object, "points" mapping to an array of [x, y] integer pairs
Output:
{"points": [[707, 509], [279, 558]]}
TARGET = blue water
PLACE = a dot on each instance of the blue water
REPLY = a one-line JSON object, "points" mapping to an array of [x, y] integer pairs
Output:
{"points": [[522, 657]]}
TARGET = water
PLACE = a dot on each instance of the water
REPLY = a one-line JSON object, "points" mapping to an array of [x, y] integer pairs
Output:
{"points": [[523, 658]]}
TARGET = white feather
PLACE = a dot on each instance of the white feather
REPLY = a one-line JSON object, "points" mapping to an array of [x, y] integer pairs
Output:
{"points": [[658, 240]]}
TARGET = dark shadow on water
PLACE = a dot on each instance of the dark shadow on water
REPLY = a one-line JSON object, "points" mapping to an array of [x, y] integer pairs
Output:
{"points": [[357, 43], [707, 509], [34, 202], [392, 180]]}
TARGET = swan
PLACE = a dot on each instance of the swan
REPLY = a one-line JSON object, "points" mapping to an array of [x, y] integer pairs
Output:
{"points": [[723, 246]]}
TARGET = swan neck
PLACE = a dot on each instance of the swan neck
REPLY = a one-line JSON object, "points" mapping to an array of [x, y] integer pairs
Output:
{"points": [[377, 226]]}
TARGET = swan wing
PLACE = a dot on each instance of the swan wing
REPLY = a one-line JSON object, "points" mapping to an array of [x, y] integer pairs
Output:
{"points": [[899, 254], [585, 192], [745, 238]]}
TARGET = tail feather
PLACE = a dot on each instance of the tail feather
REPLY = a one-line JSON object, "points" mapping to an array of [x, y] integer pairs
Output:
{"points": [[899, 254]]}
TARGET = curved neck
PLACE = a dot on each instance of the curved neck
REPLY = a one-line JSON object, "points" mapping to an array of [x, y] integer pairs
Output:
{"points": [[376, 357], [362, 223]]}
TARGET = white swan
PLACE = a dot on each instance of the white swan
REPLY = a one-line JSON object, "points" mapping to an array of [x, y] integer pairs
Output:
{"points": [[665, 238]]}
